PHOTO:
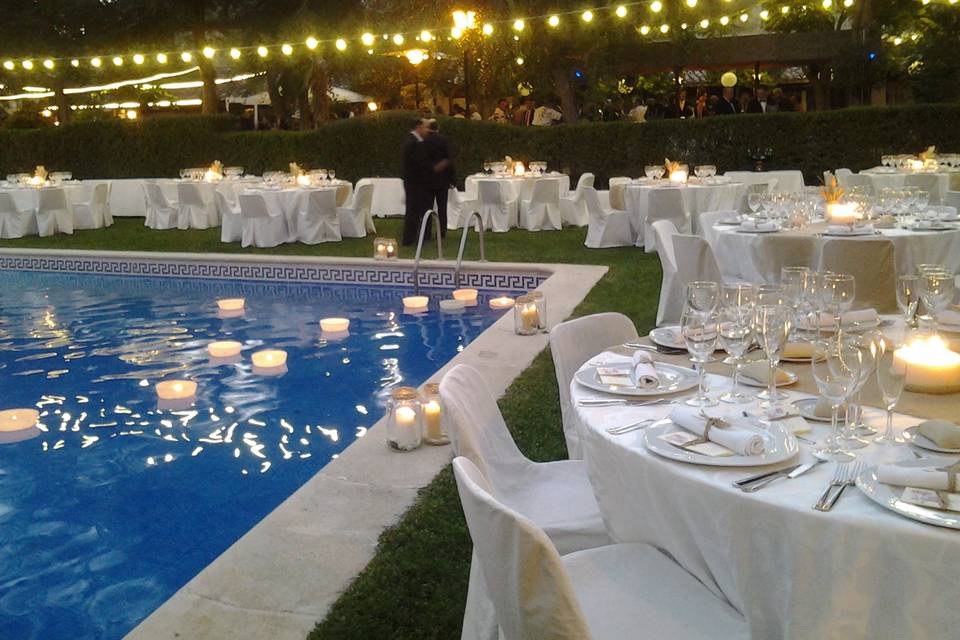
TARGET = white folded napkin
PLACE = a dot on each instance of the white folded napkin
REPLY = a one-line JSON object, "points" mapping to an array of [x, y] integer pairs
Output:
{"points": [[919, 478], [746, 442], [753, 225], [639, 371], [942, 433], [643, 373], [846, 230], [863, 316]]}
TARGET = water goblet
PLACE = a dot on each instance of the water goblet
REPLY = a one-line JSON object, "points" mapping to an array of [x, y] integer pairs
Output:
{"points": [[936, 292], [772, 328], [703, 295], [735, 333], [332, 174], [837, 295], [754, 199], [699, 329], [891, 379], [866, 346], [796, 283], [835, 367], [735, 295], [908, 298]]}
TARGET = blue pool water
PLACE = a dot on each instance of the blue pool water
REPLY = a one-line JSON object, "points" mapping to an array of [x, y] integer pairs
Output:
{"points": [[117, 504]]}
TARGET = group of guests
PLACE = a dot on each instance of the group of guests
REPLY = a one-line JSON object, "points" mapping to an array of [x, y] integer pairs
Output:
{"points": [[705, 105], [427, 172], [529, 113]]}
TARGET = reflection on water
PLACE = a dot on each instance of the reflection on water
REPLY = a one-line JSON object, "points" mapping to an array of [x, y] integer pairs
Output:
{"points": [[118, 503]]}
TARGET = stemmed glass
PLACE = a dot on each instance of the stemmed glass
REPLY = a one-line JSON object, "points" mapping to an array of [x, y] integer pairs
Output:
{"points": [[836, 366], [737, 294], [736, 336], [908, 299], [936, 292], [891, 378], [699, 329], [772, 327], [703, 295], [866, 350], [332, 174], [795, 282], [837, 294], [753, 201]]}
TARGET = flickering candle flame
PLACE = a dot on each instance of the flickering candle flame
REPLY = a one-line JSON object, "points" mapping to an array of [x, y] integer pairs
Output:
{"points": [[503, 302], [224, 349], [269, 359], [176, 389], [679, 176], [518, 168], [335, 325], [916, 165], [303, 180]]}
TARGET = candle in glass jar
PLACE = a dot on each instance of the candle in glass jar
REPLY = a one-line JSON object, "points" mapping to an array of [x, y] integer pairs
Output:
{"points": [[406, 432], [679, 176], [392, 250], [530, 318], [432, 419], [381, 250], [842, 213]]}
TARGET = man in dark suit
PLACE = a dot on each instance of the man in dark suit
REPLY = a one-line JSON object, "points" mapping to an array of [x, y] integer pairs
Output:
{"points": [[417, 180], [438, 152], [759, 103], [727, 106], [680, 108]]}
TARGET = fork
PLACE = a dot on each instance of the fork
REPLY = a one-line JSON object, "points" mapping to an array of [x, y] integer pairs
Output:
{"points": [[627, 428], [843, 476]]}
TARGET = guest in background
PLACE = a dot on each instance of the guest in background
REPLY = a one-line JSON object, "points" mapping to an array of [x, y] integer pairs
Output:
{"points": [[475, 113], [728, 105], [700, 109], [760, 103], [417, 180], [545, 115], [680, 108], [458, 111], [746, 97], [444, 175], [501, 113], [779, 101], [654, 110], [713, 103], [797, 103], [638, 113], [523, 116]]}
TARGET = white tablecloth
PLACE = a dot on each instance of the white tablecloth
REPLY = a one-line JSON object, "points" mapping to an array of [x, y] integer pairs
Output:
{"points": [[858, 571], [289, 201], [697, 198], [894, 180], [28, 198], [789, 181], [515, 188]]}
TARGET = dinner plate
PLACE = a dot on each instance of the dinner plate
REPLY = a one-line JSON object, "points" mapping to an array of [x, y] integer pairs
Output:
{"points": [[912, 435], [729, 223], [757, 230], [668, 336], [751, 382], [806, 407], [779, 447], [941, 227], [849, 327], [889, 496], [673, 379], [850, 234]]}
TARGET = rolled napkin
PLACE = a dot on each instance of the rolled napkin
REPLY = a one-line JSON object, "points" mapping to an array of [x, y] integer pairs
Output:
{"points": [[847, 230], [643, 373], [885, 222], [759, 370], [917, 477], [746, 442], [638, 371], [798, 350], [942, 433], [863, 316], [753, 225]]}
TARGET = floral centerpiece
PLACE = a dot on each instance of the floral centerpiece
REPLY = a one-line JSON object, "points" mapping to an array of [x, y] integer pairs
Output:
{"points": [[215, 172], [678, 173], [39, 176], [838, 212]]}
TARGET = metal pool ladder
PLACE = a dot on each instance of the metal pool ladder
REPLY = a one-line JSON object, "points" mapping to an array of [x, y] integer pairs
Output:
{"points": [[416, 259], [463, 243]]}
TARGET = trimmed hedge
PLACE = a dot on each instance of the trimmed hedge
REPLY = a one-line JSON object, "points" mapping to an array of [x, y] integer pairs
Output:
{"points": [[370, 146]]}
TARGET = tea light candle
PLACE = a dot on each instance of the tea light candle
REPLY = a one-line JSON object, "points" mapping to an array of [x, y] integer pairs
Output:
{"points": [[335, 325], [381, 250], [451, 305], [176, 389], [303, 180], [224, 349], [842, 213], [18, 419], [502, 302], [432, 420], [406, 434], [416, 303], [679, 176], [333, 336], [931, 366], [916, 165], [230, 304], [269, 358], [468, 296], [392, 250]]}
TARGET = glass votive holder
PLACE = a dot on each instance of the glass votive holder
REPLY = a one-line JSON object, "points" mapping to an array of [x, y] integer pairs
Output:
{"points": [[385, 248], [541, 303], [434, 418], [404, 424], [526, 317]]}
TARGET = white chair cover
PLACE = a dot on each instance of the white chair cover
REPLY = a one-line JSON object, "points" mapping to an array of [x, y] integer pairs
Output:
{"points": [[195, 211], [617, 188], [107, 210], [855, 181], [320, 222], [708, 223], [459, 206], [929, 182], [161, 214], [671, 301], [842, 174], [15, 223], [355, 218], [828, 177], [53, 214], [573, 208], [615, 592], [787, 181], [695, 261], [93, 213], [574, 342], [260, 229], [872, 263], [498, 213], [665, 204], [542, 210], [608, 227], [952, 199], [231, 225], [388, 196]]}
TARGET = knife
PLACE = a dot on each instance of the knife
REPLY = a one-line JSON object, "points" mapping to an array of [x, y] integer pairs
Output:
{"points": [[610, 402], [795, 473], [763, 476]]}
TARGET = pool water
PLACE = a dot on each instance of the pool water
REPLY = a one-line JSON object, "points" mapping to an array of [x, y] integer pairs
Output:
{"points": [[116, 504]]}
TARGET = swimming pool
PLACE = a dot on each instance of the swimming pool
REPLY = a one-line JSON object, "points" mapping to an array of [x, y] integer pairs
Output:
{"points": [[118, 504]]}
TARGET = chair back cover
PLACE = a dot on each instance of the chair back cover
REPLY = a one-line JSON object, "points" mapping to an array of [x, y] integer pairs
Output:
{"points": [[546, 191], [530, 588], [478, 431], [695, 260], [224, 206], [52, 200], [617, 189], [322, 203], [671, 299], [190, 194], [708, 222], [8, 204], [490, 192], [363, 197], [574, 342], [101, 194], [872, 263], [252, 205], [856, 181], [952, 199], [155, 197], [586, 180], [594, 208]]}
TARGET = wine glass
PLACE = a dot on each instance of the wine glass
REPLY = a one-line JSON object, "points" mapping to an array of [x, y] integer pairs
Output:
{"points": [[770, 294], [866, 349], [737, 295], [699, 329], [835, 369], [332, 174], [736, 337], [908, 298], [772, 327], [753, 201], [837, 294], [891, 378], [795, 282], [936, 292], [702, 295]]}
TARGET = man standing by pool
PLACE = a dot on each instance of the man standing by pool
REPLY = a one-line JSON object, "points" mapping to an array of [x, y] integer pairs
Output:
{"points": [[417, 180], [438, 151]]}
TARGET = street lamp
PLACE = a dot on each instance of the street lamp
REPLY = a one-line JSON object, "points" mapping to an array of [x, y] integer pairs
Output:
{"points": [[415, 57], [465, 24]]}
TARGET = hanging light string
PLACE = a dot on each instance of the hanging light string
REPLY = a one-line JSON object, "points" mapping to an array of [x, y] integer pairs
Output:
{"points": [[368, 40]]}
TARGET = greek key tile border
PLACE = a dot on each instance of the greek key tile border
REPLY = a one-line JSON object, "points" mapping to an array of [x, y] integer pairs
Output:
{"points": [[292, 272]]}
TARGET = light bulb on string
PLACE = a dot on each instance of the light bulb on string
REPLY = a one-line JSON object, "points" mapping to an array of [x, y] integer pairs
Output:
{"points": [[367, 39], [138, 58], [744, 17], [849, 3], [587, 16], [162, 58], [8, 65], [398, 39], [235, 53], [704, 23], [286, 49], [518, 25], [48, 64], [341, 44], [186, 56], [553, 21], [27, 64], [664, 28], [96, 62], [656, 6], [724, 20], [74, 63], [311, 43], [784, 9], [827, 4], [621, 12], [644, 30], [764, 14], [209, 52], [487, 29], [262, 51], [520, 60], [691, 3]]}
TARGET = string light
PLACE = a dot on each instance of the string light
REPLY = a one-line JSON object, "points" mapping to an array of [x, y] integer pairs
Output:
{"points": [[704, 23], [764, 14], [656, 6], [138, 58], [621, 12], [341, 44], [48, 63], [691, 3], [186, 56], [744, 17], [117, 61], [162, 58], [554, 20], [849, 3], [425, 36], [209, 52], [235, 54], [724, 20], [518, 25], [664, 28], [487, 29], [827, 4], [644, 30], [312, 43], [398, 39], [286, 49], [96, 62], [262, 51], [784, 9], [74, 63], [456, 33], [519, 60], [27, 64], [367, 39], [587, 16], [8, 65]]}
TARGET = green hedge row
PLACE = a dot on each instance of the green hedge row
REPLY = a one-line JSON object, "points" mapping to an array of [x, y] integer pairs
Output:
{"points": [[370, 146]]}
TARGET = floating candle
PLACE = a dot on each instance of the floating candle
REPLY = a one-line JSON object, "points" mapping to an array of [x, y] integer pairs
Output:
{"points": [[416, 303], [18, 419], [224, 349], [269, 358], [335, 325], [502, 302], [176, 389], [468, 296], [230, 304], [452, 305]]}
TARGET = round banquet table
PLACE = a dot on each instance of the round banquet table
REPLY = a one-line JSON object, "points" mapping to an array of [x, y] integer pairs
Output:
{"points": [[228, 187], [858, 571], [28, 198], [287, 202], [697, 198], [515, 187], [883, 178]]}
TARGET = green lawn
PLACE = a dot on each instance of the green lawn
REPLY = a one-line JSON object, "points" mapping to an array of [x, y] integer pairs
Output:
{"points": [[415, 587]]}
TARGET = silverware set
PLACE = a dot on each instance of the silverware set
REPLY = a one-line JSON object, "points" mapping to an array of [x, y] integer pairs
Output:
{"points": [[843, 476], [654, 349], [633, 426], [757, 482], [621, 402]]}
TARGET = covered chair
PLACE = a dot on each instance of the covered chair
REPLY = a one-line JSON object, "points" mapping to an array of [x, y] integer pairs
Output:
{"points": [[388, 196], [459, 206], [671, 296], [929, 182], [872, 263], [708, 223], [320, 222], [555, 495], [664, 204], [574, 342], [161, 214], [614, 592], [196, 212], [952, 199], [498, 213], [608, 227], [53, 213], [107, 210], [93, 213], [855, 181], [695, 261], [355, 218], [231, 222], [573, 208], [260, 229], [542, 210], [618, 187], [14, 222]]}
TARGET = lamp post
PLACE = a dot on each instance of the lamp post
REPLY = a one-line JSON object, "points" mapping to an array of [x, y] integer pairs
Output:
{"points": [[465, 26]]}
